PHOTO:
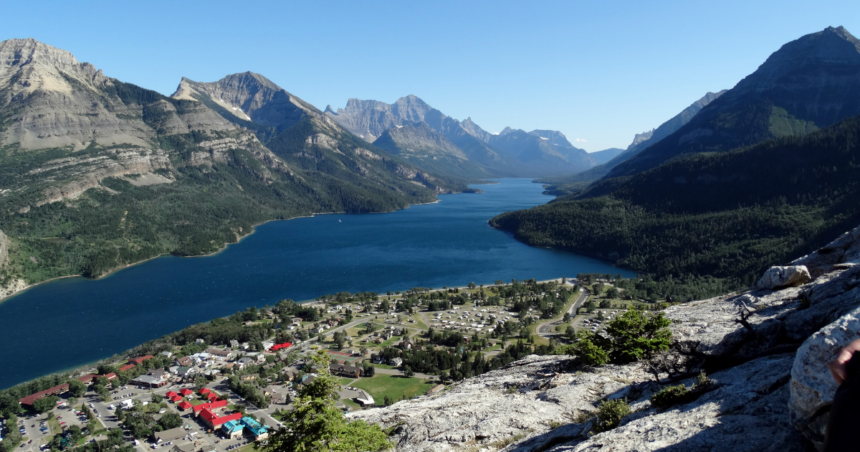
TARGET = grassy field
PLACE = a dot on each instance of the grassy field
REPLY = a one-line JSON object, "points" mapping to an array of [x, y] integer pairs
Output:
{"points": [[345, 381], [354, 332], [393, 387], [418, 322]]}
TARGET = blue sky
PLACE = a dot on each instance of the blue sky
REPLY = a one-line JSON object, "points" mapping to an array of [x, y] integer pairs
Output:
{"points": [[597, 71]]}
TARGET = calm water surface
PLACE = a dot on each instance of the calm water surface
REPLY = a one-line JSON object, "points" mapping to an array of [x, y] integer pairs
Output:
{"points": [[74, 321]]}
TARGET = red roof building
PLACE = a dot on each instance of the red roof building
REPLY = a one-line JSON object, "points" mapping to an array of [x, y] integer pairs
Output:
{"points": [[32, 398], [212, 406], [185, 405], [212, 396], [111, 376], [277, 347], [212, 420], [205, 391], [126, 367], [171, 394], [175, 399], [186, 392], [139, 360], [86, 379]]}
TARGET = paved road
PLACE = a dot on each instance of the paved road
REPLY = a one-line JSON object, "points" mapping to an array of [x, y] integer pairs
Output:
{"points": [[547, 327]]}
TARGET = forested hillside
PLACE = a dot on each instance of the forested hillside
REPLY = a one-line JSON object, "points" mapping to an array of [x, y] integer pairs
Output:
{"points": [[729, 215]]}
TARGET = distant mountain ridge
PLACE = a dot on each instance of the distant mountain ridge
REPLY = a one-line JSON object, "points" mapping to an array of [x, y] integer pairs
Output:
{"points": [[509, 153], [601, 157]]}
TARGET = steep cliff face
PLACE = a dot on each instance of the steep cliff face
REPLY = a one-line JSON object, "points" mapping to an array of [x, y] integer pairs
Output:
{"points": [[765, 394], [49, 99]]}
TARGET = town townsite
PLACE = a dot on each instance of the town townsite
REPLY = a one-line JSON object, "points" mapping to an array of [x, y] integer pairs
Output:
{"points": [[223, 384], [214, 270]]}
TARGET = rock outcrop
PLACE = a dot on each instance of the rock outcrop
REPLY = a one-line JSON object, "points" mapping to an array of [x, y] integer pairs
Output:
{"points": [[844, 251], [780, 277], [765, 394], [812, 386]]}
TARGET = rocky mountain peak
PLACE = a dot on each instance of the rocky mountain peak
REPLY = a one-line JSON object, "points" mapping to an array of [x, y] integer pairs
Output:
{"points": [[21, 52], [251, 96], [39, 66], [815, 52]]}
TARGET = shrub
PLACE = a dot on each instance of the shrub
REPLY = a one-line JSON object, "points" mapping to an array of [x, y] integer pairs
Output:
{"points": [[630, 337], [671, 395], [591, 354], [702, 380], [610, 413]]}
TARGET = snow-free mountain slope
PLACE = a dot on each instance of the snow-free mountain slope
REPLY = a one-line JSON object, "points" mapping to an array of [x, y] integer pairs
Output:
{"points": [[808, 84]]}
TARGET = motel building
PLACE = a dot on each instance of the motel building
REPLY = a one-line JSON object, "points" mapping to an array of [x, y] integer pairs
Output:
{"points": [[234, 428]]}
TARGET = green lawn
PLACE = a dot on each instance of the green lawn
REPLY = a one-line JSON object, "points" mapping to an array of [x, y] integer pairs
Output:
{"points": [[353, 406], [418, 321], [344, 381], [392, 386], [196, 401]]}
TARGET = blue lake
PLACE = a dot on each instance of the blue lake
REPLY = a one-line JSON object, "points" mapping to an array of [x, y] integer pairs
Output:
{"points": [[74, 321]]}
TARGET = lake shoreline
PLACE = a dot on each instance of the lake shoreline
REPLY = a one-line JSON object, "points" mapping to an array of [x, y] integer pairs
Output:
{"points": [[86, 367], [17, 291]]}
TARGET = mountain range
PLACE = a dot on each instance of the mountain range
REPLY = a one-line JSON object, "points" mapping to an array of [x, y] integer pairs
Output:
{"points": [[510, 153], [96, 173], [763, 173]]}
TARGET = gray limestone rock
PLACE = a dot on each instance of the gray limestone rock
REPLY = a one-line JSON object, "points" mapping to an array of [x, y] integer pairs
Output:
{"points": [[780, 277], [844, 251], [812, 385]]}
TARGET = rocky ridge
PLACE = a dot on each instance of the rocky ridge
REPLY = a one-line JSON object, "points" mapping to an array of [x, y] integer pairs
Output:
{"points": [[251, 97], [766, 352]]}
